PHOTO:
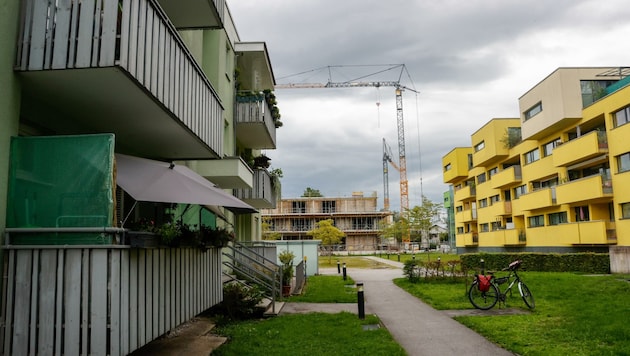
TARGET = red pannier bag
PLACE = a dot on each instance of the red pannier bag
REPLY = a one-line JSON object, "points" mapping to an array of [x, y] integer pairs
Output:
{"points": [[484, 282]]}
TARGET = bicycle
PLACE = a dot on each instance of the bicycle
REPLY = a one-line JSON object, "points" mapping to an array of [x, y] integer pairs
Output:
{"points": [[486, 298]]}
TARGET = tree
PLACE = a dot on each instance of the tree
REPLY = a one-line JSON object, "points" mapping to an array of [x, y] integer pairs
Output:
{"points": [[310, 192], [422, 218], [267, 233], [327, 233], [396, 229]]}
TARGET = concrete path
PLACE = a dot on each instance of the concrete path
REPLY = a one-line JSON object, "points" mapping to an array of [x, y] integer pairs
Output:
{"points": [[417, 327]]}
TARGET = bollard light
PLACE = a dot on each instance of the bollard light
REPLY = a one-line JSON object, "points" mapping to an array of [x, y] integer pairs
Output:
{"points": [[360, 301], [338, 267], [344, 271], [483, 266]]}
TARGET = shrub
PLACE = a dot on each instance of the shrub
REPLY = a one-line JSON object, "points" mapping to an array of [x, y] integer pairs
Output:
{"points": [[240, 301], [541, 262]]}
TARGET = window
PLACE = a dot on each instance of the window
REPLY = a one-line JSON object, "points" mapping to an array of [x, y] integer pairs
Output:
{"points": [[300, 225], [484, 227], [532, 156], [536, 221], [495, 199], [533, 111], [447, 167], [460, 230], [625, 211], [518, 191], [483, 203], [481, 178], [492, 172], [299, 207], [593, 90], [496, 225], [558, 218], [480, 146], [545, 183], [459, 209], [622, 116], [470, 161], [548, 147], [581, 213], [623, 162], [328, 206]]}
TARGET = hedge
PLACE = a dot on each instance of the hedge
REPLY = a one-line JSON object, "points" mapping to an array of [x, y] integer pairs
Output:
{"points": [[541, 262]]}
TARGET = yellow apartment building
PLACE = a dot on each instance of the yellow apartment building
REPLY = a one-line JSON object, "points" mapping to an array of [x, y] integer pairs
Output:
{"points": [[556, 179]]}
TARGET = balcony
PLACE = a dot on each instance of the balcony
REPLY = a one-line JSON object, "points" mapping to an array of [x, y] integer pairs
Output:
{"points": [[469, 239], [254, 124], [466, 215], [514, 237], [538, 199], [227, 173], [119, 67], [263, 194], [591, 145], [499, 208], [255, 67], [595, 233], [507, 177], [593, 189], [194, 13], [466, 193]]}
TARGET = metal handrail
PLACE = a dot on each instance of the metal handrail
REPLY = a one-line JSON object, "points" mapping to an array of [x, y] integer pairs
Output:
{"points": [[254, 269]]}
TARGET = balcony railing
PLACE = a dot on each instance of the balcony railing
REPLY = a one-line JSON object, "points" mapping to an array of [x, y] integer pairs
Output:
{"points": [[592, 188], [254, 123], [263, 195], [507, 177], [588, 146], [541, 198], [133, 35]]}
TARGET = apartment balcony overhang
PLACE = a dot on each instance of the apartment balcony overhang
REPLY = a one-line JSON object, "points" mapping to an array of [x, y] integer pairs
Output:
{"points": [[556, 126], [263, 194], [227, 173], [255, 126], [514, 237], [192, 14], [255, 68], [583, 148], [589, 190], [470, 239], [596, 232], [465, 193], [119, 68]]}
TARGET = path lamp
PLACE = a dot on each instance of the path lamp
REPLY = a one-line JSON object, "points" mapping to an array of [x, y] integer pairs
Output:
{"points": [[344, 271], [361, 301], [338, 267]]}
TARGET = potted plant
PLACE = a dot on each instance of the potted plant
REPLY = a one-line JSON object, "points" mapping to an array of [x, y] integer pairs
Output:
{"points": [[286, 259], [215, 236]]}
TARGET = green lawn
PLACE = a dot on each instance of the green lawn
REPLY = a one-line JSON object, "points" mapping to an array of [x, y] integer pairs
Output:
{"points": [[575, 314], [327, 289]]}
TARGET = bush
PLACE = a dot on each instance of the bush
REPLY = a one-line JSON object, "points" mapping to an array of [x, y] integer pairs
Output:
{"points": [[541, 262], [412, 270], [240, 301]]}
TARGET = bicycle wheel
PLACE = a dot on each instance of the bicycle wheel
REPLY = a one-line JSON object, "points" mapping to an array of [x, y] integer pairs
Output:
{"points": [[527, 296], [483, 300]]}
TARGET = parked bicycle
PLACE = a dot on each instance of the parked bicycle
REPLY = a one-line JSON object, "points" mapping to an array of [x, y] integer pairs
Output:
{"points": [[485, 291]]}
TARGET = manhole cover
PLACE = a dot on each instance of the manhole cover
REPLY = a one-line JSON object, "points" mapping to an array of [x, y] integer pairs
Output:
{"points": [[371, 327]]}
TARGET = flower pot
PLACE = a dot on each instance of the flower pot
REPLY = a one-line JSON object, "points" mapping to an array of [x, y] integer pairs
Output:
{"points": [[286, 291]]}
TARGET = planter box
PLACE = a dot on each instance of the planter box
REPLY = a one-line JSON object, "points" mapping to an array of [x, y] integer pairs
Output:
{"points": [[143, 239]]}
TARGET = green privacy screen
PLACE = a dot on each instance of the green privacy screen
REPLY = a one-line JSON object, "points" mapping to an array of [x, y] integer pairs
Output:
{"points": [[61, 181]]}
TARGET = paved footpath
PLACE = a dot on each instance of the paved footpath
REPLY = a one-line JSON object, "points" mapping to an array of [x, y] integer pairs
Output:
{"points": [[417, 327]]}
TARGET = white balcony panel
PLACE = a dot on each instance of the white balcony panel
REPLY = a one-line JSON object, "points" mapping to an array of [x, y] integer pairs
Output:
{"points": [[227, 173]]}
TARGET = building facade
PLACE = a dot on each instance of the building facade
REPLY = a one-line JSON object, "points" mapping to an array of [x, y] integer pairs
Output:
{"points": [[555, 179], [356, 216], [171, 81]]}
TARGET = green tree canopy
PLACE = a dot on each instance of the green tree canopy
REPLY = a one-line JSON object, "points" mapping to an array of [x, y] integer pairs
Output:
{"points": [[326, 232], [310, 192], [422, 218]]}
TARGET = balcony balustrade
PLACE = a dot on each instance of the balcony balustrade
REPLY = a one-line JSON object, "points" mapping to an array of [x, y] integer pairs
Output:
{"points": [[541, 198], [507, 177], [465, 193], [255, 127], [117, 66], [470, 239], [591, 145], [263, 195], [596, 188]]}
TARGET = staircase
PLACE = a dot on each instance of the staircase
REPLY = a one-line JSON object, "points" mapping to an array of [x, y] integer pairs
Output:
{"points": [[254, 264]]}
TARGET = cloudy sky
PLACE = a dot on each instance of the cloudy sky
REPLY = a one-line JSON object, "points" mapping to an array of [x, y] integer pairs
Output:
{"points": [[470, 60]]}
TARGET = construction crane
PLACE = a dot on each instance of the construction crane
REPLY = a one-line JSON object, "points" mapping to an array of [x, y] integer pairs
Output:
{"points": [[402, 159]]}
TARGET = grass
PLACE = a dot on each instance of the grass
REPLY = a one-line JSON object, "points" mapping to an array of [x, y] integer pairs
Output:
{"points": [[351, 262], [308, 334], [575, 314], [327, 289]]}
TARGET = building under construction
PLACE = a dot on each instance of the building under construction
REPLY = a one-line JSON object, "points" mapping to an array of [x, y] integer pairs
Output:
{"points": [[356, 216]]}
